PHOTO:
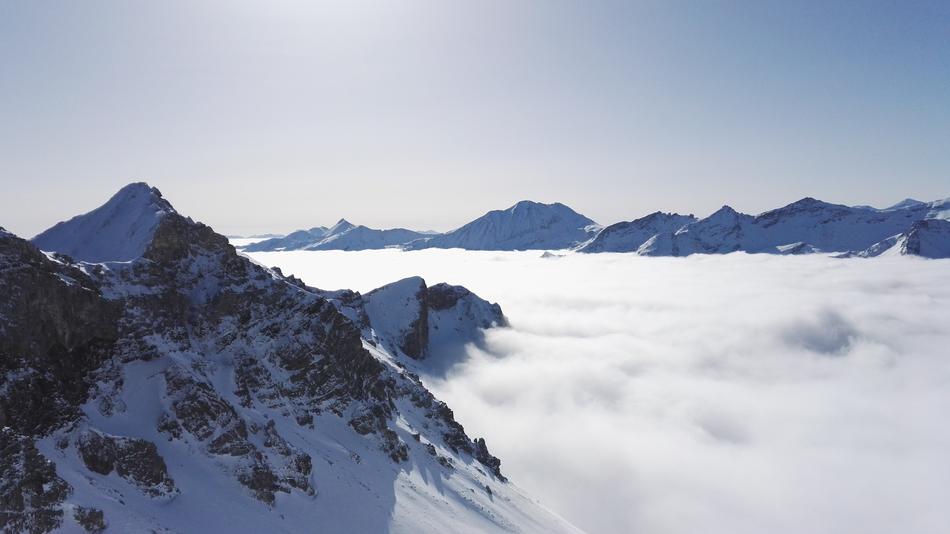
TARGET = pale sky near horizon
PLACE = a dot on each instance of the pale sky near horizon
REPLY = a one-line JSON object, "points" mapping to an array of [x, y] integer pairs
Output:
{"points": [[270, 116]]}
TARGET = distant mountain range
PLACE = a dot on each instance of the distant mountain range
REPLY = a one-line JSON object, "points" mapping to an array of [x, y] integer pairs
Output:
{"points": [[802, 227], [341, 236], [805, 226], [526, 225]]}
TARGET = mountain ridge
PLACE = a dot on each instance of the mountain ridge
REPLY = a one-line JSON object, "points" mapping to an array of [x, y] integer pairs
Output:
{"points": [[204, 391]]}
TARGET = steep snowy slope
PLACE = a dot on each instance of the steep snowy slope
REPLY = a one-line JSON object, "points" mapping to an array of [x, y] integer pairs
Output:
{"points": [[807, 224], [341, 236], [628, 236], [119, 230], [525, 226], [928, 238], [191, 390]]}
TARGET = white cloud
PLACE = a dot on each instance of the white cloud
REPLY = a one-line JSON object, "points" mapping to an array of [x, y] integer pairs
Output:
{"points": [[733, 394]]}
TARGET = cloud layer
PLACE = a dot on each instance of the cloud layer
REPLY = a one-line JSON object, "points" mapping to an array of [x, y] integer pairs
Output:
{"points": [[733, 394]]}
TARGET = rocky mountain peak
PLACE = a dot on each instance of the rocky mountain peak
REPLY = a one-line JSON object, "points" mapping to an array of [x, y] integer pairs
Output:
{"points": [[190, 373], [341, 226], [119, 230]]}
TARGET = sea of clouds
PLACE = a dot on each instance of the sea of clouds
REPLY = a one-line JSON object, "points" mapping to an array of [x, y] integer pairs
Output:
{"points": [[716, 394]]}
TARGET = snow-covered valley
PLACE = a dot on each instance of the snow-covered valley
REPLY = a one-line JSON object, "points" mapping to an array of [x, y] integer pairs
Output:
{"points": [[723, 393]]}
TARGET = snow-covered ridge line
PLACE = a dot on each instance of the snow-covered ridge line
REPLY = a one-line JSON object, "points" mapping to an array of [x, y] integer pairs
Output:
{"points": [[805, 226], [119, 230]]}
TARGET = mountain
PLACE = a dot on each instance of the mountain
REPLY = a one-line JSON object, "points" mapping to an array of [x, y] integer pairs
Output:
{"points": [[904, 204], [525, 226], [189, 389], [426, 323], [257, 236], [805, 225], [929, 238], [938, 209], [119, 230], [628, 236], [341, 236], [293, 241]]}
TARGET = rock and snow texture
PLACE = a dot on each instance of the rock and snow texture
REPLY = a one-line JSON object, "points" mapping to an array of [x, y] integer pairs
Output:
{"points": [[805, 226], [418, 320], [929, 238], [341, 236], [119, 230], [191, 390], [525, 226], [292, 241], [628, 236]]}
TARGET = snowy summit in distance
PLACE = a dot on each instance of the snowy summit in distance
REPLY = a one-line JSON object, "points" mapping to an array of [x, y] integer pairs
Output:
{"points": [[525, 226]]}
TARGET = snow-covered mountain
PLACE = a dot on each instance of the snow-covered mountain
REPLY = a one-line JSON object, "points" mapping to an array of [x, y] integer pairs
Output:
{"points": [[628, 236], [119, 230], [525, 226], [189, 389], [929, 238], [292, 241], [341, 236], [807, 225]]}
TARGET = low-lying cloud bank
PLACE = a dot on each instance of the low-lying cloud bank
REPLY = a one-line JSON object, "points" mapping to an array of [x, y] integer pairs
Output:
{"points": [[718, 394]]}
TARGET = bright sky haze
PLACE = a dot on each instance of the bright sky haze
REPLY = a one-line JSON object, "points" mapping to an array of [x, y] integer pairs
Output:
{"points": [[271, 116]]}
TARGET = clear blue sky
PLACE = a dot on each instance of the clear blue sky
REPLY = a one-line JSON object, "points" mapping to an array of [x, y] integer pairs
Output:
{"points": [[268, 116]]}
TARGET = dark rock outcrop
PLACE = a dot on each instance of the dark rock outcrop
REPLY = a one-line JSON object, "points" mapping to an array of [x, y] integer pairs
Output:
{"points": [[55, 329], [92, 520], [135, 460], [31, 494]]}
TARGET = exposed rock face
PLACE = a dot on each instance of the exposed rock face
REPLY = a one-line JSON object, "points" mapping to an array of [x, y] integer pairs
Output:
{"points": [[482, 455], [31, 494], [92, 520], [55, 329], [197, 351], [135, 460], [399, 311]]}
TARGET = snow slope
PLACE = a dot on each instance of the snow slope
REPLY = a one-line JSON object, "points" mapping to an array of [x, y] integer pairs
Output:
{"points": [[525, 226], [119, 230]]}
